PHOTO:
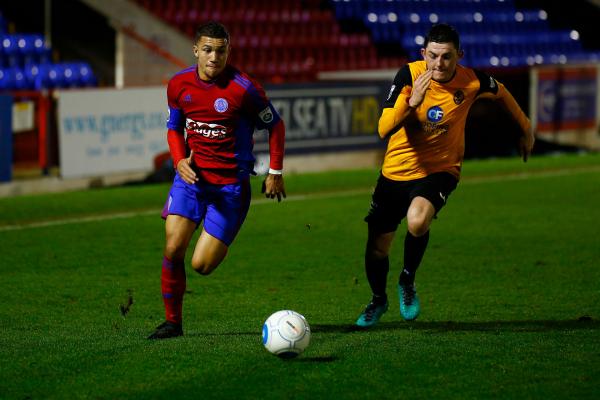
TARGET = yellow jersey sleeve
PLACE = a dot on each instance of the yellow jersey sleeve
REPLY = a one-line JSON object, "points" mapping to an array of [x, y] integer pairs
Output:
{"points": [[395, 107]]}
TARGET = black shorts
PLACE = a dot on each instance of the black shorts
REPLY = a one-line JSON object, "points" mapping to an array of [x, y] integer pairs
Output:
{"points": [[391, 199]]}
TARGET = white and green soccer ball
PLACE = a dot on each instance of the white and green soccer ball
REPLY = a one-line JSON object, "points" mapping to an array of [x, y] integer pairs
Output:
{"points": [[286, 334]]}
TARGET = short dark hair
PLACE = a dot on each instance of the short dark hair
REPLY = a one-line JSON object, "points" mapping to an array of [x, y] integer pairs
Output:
{"points": [[212, 29], [443, 33]]}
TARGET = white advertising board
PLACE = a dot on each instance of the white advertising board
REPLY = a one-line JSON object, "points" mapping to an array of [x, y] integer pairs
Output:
{"points": [[105, 131]]}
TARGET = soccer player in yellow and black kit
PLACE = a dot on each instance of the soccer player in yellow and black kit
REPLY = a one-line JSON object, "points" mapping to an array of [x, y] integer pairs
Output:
{"points": [[424, 118]]}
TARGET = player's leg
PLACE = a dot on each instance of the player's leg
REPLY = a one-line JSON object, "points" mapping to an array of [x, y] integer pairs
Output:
{"points": [[428, 197], [182, 213], [224, 217], [208, 254], [377, 263], [384, 216], [418, 218], [377, 266]]}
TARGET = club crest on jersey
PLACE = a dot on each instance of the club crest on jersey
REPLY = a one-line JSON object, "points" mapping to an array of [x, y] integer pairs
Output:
{"points": [[266, 115], [210, 131], [459, 96], [221, 105], [435, 114]]}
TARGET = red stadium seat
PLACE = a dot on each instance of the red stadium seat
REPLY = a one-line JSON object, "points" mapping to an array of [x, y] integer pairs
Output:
{"points": [[288, 41]]}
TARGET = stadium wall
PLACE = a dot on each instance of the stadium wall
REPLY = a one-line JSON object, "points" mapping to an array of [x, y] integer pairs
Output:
{"points": [[108, 131], [148, 50], [565, 104]]}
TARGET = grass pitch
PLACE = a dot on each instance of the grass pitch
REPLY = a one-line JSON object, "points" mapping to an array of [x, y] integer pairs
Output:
{"points": [[510, 292]]}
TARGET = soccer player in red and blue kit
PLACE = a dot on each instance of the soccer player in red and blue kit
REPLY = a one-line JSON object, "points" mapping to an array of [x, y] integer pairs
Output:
{"points": [[213, 111]]}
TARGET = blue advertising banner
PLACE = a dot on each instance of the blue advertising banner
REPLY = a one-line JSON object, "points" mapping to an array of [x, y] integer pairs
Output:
{"points": [[566, 98], [6, 103]]}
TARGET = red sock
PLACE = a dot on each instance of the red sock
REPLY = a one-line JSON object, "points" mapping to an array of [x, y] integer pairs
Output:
{"points": [[173, 288]]}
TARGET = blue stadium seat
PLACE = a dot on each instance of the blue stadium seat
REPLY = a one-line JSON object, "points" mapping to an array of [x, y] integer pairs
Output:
{"points": [[11, 51], [86, 75], [493, 32], [72, 75], [6, 82], [12, 78]]}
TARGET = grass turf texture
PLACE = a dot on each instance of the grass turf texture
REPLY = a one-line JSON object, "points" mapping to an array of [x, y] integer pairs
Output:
{"points": [[511, 268]]}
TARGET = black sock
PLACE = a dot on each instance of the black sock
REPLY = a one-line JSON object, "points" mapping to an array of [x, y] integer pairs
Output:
{"points": [[414, 248], [377, 270]]}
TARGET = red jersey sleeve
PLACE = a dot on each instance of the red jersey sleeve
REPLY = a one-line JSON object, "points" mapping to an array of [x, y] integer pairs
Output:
{"points": [[175, 124], [266, 117], [277, 145]]}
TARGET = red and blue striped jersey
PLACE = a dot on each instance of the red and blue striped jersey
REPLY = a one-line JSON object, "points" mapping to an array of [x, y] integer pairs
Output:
{"points": [[218, 119]]}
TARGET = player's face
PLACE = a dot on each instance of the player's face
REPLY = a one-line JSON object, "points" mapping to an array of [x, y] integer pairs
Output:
{"points": [[441, 58], [212, 56]]}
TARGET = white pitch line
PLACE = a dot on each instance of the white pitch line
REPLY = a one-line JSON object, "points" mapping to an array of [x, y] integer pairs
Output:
{"points": [[315, 196]]}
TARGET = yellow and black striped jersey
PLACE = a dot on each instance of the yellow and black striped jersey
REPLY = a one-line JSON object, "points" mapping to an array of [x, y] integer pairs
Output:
{"points": [[430, 138]]}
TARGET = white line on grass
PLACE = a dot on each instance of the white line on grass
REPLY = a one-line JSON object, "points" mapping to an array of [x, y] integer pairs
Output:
{"points": [[326, 195]]}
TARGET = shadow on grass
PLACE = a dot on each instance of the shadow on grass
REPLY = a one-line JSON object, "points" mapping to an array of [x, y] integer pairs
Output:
{"points": [[204, 334], [457, 326], [583, 323], [321, 359]]}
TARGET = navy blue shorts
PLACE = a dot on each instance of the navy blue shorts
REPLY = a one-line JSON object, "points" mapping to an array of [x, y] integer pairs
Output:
{"points": [[391, 199], [222, 207]]}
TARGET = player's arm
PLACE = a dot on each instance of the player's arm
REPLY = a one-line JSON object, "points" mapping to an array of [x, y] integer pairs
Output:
{"points": [[273, 186], [392, 118], [268, 118], [176, 140], [403, 98], [182, 164], [490, 88]]}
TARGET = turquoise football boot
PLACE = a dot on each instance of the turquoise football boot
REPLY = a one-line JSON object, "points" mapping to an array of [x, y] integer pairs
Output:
{"points": [[409, 302], [371, 315]]}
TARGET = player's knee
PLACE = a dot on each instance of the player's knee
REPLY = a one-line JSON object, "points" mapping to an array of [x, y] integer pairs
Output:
{"points": [[376, 252], [418, 226], [203, 267], [174, 251]]}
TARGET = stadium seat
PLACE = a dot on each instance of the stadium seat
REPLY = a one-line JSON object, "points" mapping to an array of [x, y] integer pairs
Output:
{"points": [[26, 64], [493, 32], [11, 52]]}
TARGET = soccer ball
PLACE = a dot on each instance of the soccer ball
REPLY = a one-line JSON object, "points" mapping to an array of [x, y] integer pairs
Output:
{"points": [[286, 334]]}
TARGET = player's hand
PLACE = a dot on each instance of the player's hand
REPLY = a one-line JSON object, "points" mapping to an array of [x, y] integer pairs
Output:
{"points": [[184, 167], [273, 186], [526, 144], [420, 86]]}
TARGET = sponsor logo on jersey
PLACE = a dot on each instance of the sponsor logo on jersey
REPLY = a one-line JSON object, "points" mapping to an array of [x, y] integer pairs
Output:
{"points": [[188, 98], [435, 114], [211, 131], [459, 96], [266, 115], [221, 105], [434, 128]]}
